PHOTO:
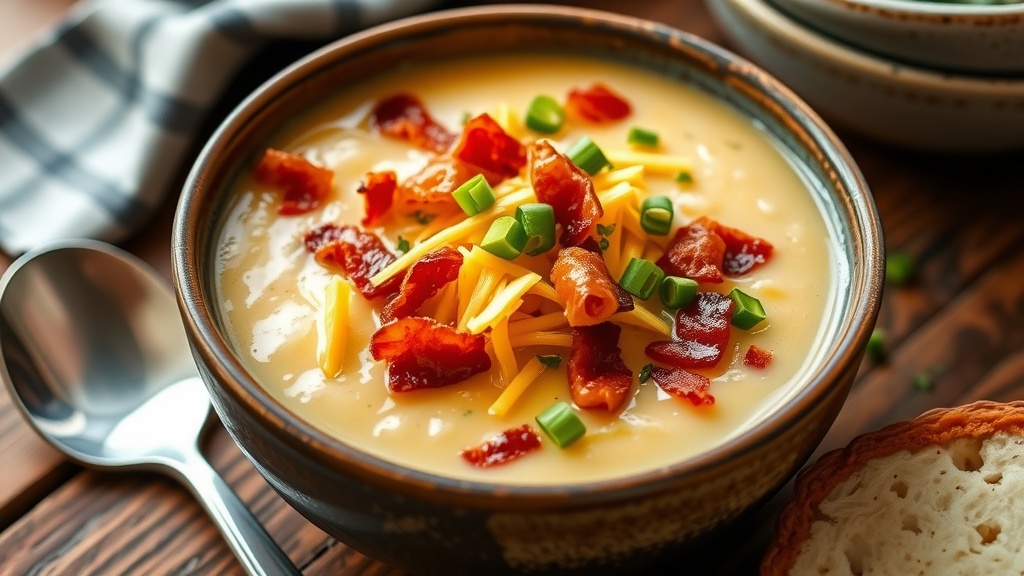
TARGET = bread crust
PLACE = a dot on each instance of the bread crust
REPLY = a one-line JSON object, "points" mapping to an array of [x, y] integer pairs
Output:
{"points": [[939, 426]]}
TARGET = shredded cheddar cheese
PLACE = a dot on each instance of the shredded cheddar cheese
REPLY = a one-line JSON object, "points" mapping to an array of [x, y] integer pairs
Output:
{"points": [[332, 327], [458, 234], [447, 304], [643, 318], [479, 297], [560, 339], [505, 302], [531, 370], [548, 321], [652, 161], [632, 174], [503, 351]]}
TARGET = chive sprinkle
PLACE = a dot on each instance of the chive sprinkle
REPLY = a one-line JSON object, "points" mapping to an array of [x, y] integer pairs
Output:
{"points": [[402, 245], [656, 215], [677, 292], [505, 238], [585, 154], [538, 220], [544, 115], [642, 137], [641, 278], [561, 424], [747, 310], [876, 349], [550, 360], [645, 372], [474, 196], [899, 268]]}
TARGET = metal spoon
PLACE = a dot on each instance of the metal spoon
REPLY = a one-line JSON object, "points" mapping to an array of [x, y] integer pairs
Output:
{"points": [[92, 348]]}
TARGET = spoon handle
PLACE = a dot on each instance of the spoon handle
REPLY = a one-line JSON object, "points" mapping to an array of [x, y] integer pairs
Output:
{"points": [[255, 549]]}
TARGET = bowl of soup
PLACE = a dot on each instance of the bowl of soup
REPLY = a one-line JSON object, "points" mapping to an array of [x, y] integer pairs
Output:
{"points": [[526, 289]]}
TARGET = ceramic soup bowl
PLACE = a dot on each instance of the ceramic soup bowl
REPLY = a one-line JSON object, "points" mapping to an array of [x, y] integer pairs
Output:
{"points": [[376, 478]]}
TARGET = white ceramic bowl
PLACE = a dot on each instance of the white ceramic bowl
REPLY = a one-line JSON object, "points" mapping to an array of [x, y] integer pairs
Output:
{"points": [[970, 38], [899, 104]]}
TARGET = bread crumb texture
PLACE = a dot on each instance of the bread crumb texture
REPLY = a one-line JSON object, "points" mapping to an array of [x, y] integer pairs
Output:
{"points": [[955, 509]]}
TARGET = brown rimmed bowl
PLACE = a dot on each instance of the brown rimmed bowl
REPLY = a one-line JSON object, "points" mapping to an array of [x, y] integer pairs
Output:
{"points": [[428, 523]]}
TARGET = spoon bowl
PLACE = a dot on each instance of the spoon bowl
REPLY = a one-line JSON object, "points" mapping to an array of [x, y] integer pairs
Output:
{"points": [[94, 354]]}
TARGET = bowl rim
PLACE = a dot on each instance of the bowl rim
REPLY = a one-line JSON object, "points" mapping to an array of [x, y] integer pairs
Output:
{"points": [[776, 22], [219, 359], [936, 12]]}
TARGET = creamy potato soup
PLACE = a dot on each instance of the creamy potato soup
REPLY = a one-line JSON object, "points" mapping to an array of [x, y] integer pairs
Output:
{"points": [[279, 300]]}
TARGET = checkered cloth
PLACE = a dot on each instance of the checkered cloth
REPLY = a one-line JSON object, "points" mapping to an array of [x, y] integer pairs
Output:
{"points": [[96, 120]]}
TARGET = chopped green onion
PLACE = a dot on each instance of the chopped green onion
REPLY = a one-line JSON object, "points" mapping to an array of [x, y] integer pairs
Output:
{"points": [[604, 244], [505, 238], [605, 230], [550, 360], [645, 372], [924, 382], [747, 310], [561, 424], [403, 245], [899, 268], [642, 137], [422, 217], [585, 154], [656, 215], [475, 195], [876, 345], [544, 115], [677, 292], [641, 278], [684, 178], [538, 220]]}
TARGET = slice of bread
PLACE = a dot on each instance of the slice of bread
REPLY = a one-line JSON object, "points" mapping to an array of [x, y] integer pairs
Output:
{"points": [[941, 494]]}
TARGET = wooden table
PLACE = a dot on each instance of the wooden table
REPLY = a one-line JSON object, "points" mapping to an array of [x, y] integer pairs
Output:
{"points": [[961, 321]]}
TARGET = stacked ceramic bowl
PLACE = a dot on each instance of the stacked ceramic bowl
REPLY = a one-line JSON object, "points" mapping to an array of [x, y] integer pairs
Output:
{"points": [[922, 74]]}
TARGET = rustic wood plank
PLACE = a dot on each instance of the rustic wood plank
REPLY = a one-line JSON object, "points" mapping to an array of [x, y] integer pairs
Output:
{"points": [[109, 523], [978, 339], [31, 467], [957, 348], [960, 219]]}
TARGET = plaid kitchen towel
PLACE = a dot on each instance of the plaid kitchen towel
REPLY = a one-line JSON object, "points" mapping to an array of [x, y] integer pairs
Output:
{"points": [[97, 119]]}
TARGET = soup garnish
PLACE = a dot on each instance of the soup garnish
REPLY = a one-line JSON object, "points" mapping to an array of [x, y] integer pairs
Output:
{"points": [[463, 275], [575, 295]]}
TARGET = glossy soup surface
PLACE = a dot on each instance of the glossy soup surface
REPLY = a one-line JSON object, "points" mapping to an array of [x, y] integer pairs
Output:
{"points": [[271, 289]]}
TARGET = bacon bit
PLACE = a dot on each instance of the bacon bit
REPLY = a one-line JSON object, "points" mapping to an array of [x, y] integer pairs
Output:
{"points": [[437, 180], [598, 378], [559, 182], [705, 250], [743, 252], [597, 104], [486, 145], [305, 185], [695, 252], [683, 384], [426, 354], [584, 288], [702, 332], [503, 447], [404, 116], [626, 302], [423, 279], [378, 188], [355, 252], [757, 357]]}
